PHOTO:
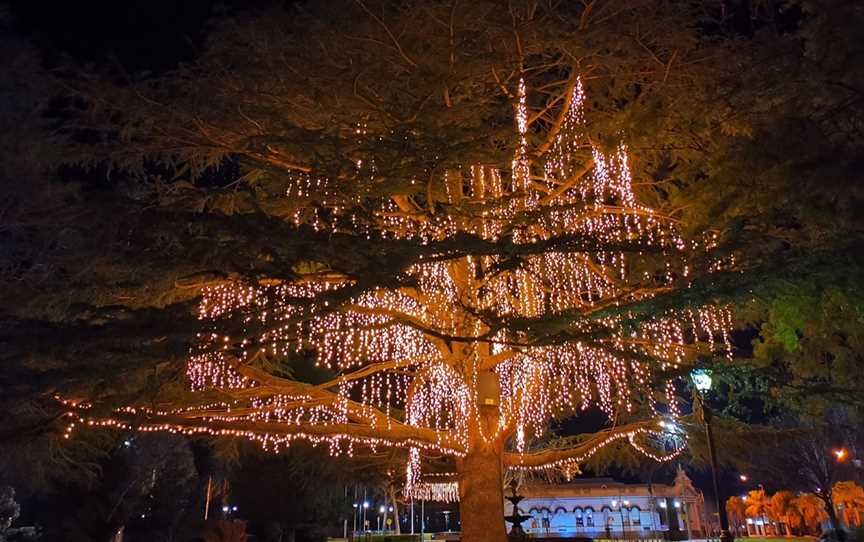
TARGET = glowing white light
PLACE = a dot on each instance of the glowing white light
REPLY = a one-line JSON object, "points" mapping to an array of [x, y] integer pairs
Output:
{"points": [[701, 379]]}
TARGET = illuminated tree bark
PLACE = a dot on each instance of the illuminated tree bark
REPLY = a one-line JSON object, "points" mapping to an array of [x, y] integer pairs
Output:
{"points": [[481, 494]]}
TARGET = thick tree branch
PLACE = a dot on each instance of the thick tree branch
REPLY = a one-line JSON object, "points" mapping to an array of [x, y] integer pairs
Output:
{"points": [[580, 452]]}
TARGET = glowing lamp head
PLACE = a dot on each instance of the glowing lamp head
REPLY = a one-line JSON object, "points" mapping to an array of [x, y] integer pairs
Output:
{"points": [[614, 502], [742, 477], [701, 379], [841, 454], [382, 509], [366, 504]]}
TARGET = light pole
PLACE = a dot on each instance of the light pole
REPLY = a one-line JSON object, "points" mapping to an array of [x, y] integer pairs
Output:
{"points": [[365, 507], [355, 517], [620, 515], [701, 379], [625, 521]]}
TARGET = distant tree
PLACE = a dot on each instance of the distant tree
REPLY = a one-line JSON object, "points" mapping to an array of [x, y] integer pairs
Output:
{"points": [[146, 486], [758, 504], [298, 494], [782, 509], [736, 509], [849, 498], [805, 461], [812, 512], [9, 508], [10, 511]]}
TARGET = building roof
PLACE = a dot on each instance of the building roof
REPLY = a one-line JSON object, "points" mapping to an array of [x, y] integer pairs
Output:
{"points": [[609, 487]]}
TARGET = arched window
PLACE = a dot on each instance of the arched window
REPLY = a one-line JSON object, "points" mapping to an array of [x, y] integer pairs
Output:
{"points": [[589, 516], [635, 515], [561, 510]]}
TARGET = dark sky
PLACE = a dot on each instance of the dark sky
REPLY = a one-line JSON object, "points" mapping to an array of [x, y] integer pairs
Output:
{"points": [[151, 35]]}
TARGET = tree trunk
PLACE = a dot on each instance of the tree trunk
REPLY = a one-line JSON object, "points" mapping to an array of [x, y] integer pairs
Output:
{"points": [[481, 494], [828, 500], [398, 529]]}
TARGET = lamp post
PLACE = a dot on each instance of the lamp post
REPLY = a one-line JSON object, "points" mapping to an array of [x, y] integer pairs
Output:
{"points": [[701, 379], [355, 517]]}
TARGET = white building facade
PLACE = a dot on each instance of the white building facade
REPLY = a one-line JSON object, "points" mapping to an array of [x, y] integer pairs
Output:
{"points": [[604, 508]]}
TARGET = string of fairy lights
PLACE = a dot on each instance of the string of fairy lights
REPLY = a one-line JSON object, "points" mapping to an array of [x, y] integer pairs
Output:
{"points": [[411, 356]]}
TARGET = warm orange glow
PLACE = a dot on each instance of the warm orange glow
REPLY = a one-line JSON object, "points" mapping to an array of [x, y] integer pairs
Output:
{"points": [[841, 454], [409, 359]]}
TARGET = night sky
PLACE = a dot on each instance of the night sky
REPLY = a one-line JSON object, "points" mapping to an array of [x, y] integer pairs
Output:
{"points": [[141, 35]]}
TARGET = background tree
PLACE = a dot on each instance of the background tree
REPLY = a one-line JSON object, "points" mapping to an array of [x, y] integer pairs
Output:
{"points": [[736, 509], [849, 497], [807, 462], [812, 511], [301, 494], [797, 179], [782, 509], [145, 488], [758, 504]]}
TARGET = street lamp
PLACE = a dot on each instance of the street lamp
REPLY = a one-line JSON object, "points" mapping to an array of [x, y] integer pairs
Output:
{"points": [[701, 379], [356, 511], [365, 507]]}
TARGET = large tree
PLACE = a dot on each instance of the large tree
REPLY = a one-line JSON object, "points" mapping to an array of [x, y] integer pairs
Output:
{"points": [[358, 165], [433, 205]]}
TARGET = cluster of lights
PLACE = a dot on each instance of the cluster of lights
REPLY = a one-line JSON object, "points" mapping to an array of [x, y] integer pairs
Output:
{"points": [[434, 491], [421, 348]]}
